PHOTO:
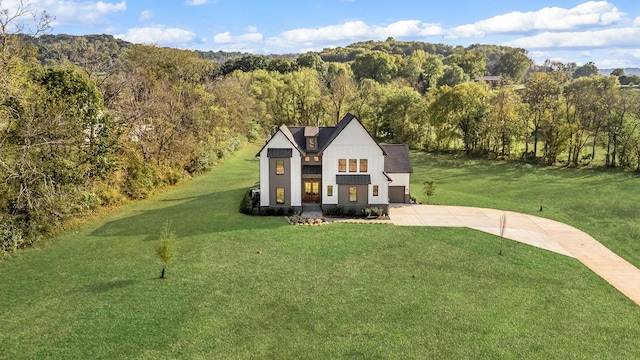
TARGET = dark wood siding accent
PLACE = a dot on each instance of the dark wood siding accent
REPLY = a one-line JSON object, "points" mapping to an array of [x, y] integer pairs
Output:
{"points": [[362, 197], [279, 181]]}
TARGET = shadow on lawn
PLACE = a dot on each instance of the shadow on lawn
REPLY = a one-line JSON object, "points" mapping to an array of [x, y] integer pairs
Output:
{"points": [[190, 216]]}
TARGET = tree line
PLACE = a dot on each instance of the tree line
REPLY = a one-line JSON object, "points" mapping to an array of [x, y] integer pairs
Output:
{"points": [[554, 113], [88, 122], [99, 122]]}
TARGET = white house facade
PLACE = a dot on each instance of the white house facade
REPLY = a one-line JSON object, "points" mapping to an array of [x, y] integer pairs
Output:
{"points": [[341, 166]]}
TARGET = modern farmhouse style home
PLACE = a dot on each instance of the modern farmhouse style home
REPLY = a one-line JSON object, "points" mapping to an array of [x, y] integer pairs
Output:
{"points": [[341, 166]]}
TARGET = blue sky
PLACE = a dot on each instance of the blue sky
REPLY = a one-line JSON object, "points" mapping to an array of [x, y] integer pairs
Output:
{"points": [[605, 32]]}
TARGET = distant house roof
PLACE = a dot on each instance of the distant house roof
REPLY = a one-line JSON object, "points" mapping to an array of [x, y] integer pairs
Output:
{"points": [[398, 159], [279, 153], [487, 78], [353, 179]]}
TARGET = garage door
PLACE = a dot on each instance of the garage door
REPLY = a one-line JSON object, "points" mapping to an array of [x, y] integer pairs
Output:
{"points": [[396, 194]]}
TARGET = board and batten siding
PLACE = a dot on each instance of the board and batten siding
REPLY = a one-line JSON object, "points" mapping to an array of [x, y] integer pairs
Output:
{"points": [[354, 143], [279, 141]]}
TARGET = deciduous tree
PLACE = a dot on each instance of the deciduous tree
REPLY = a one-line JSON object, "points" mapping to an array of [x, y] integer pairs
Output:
{"points": [[375, 65], [514, 64], [542, 95]]}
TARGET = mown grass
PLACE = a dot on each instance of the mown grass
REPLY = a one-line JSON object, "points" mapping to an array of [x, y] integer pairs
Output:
{"points": [[252, 287]]}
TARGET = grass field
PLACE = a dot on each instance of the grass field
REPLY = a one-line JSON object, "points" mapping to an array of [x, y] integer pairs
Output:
{"points": [[253, 287], [603, 203]]}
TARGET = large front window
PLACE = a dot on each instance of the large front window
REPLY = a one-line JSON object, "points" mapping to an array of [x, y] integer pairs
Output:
{"points": [[364, 165], [353, 193], [353, 165], [342, 165], [280, 195], [279, 167]]}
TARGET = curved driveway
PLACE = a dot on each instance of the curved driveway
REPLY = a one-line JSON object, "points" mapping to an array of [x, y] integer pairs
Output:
{"points": [[535, 231]]}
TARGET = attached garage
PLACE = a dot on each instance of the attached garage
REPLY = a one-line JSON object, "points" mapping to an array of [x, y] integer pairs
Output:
{"points": [[397, 167], [396, 194]]}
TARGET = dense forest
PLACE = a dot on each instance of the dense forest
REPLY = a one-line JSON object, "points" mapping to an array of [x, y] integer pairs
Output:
{"points": [[92, 121]]}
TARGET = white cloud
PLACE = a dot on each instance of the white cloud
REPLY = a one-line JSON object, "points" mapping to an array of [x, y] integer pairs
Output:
{"points": [[592, 13], [352, 30], [628, 53], [196, 2], [86, 12], [160, 35], [636, 22], [145, 15], [328, 36], [622, 37], [407, 28], [68, 12], [619, 59], [227, 38]]}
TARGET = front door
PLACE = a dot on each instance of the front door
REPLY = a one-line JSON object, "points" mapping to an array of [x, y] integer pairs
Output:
{"points": [[311, 191]]}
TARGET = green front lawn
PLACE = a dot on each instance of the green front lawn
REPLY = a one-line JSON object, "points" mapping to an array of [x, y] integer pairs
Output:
{"points": [[254, 287]]}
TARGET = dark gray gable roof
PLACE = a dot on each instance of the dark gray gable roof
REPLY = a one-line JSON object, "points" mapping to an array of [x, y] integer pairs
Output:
{"points": [[398, 159], [298, 135], [353, 179], [279, 153], [326, 134], [287, 133]]}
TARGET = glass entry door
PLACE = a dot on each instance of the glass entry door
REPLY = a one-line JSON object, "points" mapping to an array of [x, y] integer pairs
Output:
{"points": [[311, 191]]}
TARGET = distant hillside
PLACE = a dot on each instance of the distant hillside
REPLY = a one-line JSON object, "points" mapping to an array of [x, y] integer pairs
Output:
{"points": [[406, 48], [627, 71], [53, 48], [62, 46]]}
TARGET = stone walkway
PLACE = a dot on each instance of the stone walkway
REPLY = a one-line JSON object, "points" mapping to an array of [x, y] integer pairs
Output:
{"points": [[535, 231]]}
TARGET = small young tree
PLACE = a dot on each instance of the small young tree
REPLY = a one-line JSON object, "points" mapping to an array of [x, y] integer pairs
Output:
{"points": [[429, 189], [167, 249], [503, 227]]}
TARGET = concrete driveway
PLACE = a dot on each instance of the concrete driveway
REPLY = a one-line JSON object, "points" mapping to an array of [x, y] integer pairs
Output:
{"points": [[535, 231]]}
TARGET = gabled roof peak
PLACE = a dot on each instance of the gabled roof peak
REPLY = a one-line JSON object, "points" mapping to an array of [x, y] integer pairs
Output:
{"points": [[325, 134]]}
